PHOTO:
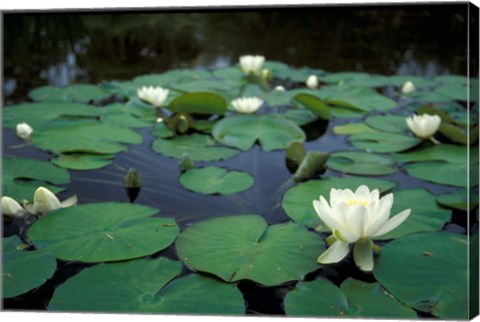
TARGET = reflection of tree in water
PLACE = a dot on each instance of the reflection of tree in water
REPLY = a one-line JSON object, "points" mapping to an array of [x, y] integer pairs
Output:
{"points": [[405, 39]]}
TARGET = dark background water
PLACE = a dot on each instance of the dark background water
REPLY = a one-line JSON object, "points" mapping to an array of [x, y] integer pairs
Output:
{"points": [[59, 48]]}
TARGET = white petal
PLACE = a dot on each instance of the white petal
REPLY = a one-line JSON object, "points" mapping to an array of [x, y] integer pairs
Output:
{"points": [[363, 254], [393, 223], [69, 201], [325, 214], [334, 254], [357, 220], [362, 192]]}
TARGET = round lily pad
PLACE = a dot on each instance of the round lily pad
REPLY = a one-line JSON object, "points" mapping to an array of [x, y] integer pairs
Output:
{"points": [[388, 123], [354, 299], [21, 177], [199, 147], [24, 270], [82, 161], [101, 232], [427, 271], [272, 131], [245, 247], [83, 93], [299, 116], [298, 201], [459, 199], [383, 142], [210, 180], [353, 128], [363, 163], [145, 286]]}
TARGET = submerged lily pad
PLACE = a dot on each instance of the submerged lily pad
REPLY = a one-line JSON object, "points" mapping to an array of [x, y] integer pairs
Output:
{"points": [[383, 142], [245, 247], [444, 164], [145, 286], [199, 147], [298, 201], [82, 161], [354, 298], [24, 270], [84, 136], [355, 162], [427, 271], [272, 131], [101, 232], [210, 180], [21, 177]]}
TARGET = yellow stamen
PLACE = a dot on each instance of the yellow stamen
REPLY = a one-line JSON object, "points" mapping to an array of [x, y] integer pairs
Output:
{"points": [[353, 202]]}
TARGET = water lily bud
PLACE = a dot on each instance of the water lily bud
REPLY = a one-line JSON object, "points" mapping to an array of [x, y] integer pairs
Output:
{"points": [[45, 201], [182, 125], [132, 179], [153, 95], [279, 88], [312, 82], [408, 87], [356, 217], [10, 207], [251, 64], [186, 162], [24, 131], [267, 74], [424, 126], [247, 104], [159, 120]]}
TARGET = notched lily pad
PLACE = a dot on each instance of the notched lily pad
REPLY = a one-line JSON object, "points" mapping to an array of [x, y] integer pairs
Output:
{"points": [[383, 142], [211, 180], [355, 162], [82, 161]]}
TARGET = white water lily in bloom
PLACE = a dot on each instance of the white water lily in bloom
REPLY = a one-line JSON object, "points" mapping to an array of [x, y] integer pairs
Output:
{"points": [[10, 207], [251, 64], [312, 82], [45, 201], [24, 131], [153, 95], [356, 217], [280, 88], [408, 87], [247, 104], [424, 126]]}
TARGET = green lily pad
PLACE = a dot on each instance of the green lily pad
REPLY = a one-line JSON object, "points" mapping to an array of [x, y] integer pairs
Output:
{"points": [[171, 76], [24, 270], [161, 130], [346, 112], [388, 123], [298, 201], [458, 199], [383, 142], [272, 131], [354, 299], [399, 80], [211, 180], [82, 93], [146, 287], [353, 128], [299, 116], [84, 136], [451, 79], [276, 98], [21, 177], [199, 102], [444, 164], [363, 163], [427, 271], [82, 161], [245, 247], [101, 232], [132, 116], [356, 79], [426, 215], [454, 92], [314, 104], [199, 147], [38, 114]]}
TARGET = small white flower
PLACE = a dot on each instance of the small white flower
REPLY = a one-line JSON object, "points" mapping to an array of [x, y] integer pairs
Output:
{"points": [[312, 82], [408, 87], [279, 88], [45, 201], [10, 207], [356, 217], [24, 131], [247, 104], [424, 126], [251, 64], [153, 95]]}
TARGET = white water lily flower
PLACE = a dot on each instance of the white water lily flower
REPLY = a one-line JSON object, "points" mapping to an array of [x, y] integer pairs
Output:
{"points": [[408, 87], [280, 88], [424, 126], [45, 201], [10, 207], [153, 95], [247, 104], [312, 82], [24, 131], [251, 64], [356, 217]]}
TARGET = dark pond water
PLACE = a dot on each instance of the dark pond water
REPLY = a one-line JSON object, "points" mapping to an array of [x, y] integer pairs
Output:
{"points": [[64, 48]]}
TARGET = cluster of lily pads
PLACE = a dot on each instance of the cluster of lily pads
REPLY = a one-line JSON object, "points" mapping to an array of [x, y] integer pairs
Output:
{"points": [[395, 124]]}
